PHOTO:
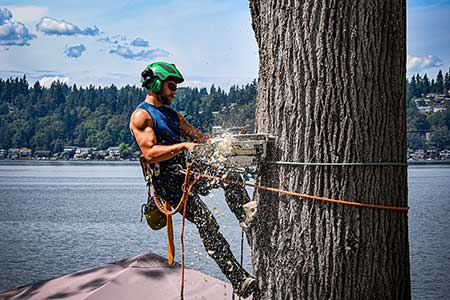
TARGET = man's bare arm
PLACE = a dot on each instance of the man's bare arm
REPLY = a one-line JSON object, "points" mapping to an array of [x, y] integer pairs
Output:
{"points": [[192, 133], [142, 129]]}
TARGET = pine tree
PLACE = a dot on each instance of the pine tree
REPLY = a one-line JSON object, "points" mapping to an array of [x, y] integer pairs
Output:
{"points": [[433, 86], [420, 87], [440, 82], [447, 82], [426, 87]]}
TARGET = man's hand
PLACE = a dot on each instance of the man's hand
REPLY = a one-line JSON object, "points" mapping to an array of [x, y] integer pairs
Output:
{"points": [[189, 145]]}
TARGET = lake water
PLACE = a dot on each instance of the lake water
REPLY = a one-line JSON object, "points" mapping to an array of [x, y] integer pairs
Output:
{"points": [[63, 217]]}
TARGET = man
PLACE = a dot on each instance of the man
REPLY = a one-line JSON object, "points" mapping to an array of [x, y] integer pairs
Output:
{"points": [[158, 130]]}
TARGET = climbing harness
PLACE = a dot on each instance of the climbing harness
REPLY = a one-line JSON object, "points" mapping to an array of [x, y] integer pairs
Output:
{"points": [[166, 210], [155, 219]]}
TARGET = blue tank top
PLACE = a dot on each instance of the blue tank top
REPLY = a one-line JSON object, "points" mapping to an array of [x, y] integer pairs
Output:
{"points": [[166, 125]]}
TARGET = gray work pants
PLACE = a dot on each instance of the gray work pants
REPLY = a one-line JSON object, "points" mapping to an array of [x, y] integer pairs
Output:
{"points": [[168, 187]]}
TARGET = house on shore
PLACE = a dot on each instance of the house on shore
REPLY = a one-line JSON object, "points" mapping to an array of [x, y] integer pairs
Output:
{"points": [[419, 154], [113, 153], [42, 154], [444, 154], [83, 152], [25, 153], [3, 153], [13, 153]]}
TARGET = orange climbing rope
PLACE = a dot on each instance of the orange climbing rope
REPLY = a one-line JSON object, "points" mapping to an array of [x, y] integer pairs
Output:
{"points": [[166, 209], [385, 207], [186, 197], [168, 212]]}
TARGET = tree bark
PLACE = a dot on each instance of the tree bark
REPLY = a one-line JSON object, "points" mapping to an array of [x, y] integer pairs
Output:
{"points": [[331, 88]]}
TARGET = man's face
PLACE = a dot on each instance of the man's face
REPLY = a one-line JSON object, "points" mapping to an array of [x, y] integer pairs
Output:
{"points": [[169, 90]]}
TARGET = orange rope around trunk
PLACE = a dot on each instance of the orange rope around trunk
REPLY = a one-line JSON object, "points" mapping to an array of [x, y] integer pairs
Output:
{"points": [[385, 207]]}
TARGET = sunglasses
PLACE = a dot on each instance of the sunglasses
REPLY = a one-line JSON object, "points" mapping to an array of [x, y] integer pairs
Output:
{"points": [[172, 86]]}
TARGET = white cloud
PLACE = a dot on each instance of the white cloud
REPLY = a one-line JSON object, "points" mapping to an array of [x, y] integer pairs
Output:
{"points": [[55, 27], [5, 15], [75, 51], [139, 42], [91, 31], [52, 26], [47, 81], [416, 64], [128, 53], [13, 33], [114, 40], [223, 82], [122, 40]]}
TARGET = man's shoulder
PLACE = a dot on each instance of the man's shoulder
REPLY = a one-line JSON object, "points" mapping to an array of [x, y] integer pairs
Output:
{"points": [[140, 119], [140, 113]]}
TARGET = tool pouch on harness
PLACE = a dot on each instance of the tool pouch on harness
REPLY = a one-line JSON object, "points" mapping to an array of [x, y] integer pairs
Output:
{"points": [[155, 218]]}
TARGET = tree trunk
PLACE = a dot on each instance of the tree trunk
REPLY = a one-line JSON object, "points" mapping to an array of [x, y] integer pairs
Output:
{"points": [[331, 88]]}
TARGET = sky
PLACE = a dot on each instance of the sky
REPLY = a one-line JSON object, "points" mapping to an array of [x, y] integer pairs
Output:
{"points": [[103, 42]]}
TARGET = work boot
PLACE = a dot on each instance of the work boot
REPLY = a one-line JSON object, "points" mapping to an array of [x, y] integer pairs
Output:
{"points": [[247, 287]]}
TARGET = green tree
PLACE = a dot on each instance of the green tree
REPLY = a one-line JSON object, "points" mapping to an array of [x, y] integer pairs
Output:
{"points": [[421, 122], [439, 82], [440, 138], [416, 141], [124, 150], [4, 108], [413, 89], [426, 86], [447, 82]]}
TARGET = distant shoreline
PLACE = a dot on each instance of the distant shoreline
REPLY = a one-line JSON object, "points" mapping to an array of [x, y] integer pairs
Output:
{"points": [[30, 162], [428, 162], [42, 162]]}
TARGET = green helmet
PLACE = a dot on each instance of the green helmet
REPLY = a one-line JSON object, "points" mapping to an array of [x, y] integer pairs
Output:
{"points": [[155, 73]]}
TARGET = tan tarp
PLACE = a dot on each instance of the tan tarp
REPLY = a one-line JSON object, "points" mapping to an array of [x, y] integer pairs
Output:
{"points": [[145, 276]]}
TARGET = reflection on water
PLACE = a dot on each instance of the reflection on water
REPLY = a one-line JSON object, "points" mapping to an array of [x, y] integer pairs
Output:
{"points": [[60, 218]]}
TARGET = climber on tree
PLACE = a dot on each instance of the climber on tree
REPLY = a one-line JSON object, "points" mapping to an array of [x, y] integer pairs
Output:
{"points": [[158, 130]]}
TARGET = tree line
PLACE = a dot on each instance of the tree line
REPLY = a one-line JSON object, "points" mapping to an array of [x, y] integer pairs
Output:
{"points": [[437, 123], [50, 118], [421, 85]]}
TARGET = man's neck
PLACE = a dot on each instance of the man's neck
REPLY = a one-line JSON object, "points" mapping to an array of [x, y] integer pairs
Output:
{"points": [[153, 100]]}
